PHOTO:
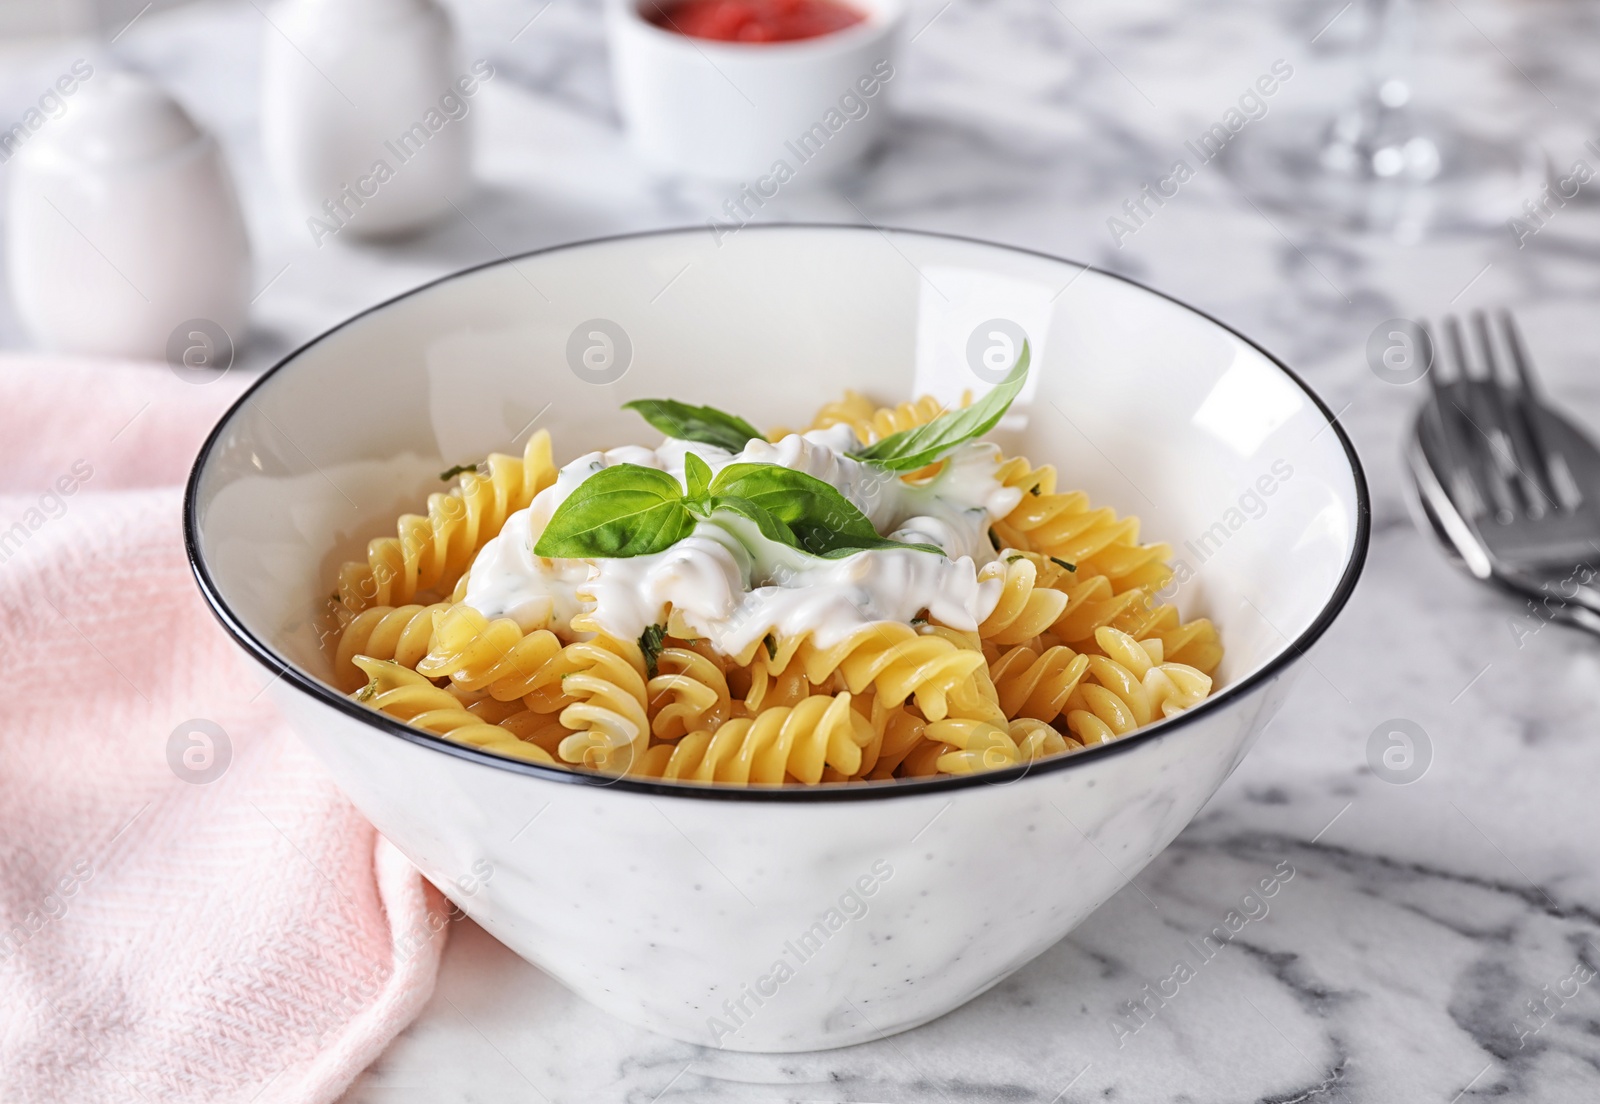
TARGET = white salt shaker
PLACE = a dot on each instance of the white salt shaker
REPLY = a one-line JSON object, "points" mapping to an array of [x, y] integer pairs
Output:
{"points": [[124, 234], [364, 114]]}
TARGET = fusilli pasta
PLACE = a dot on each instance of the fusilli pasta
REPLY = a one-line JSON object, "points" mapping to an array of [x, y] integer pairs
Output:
{"points": [[779, 743], [1075, 650], [432, 552], [410, 697]]}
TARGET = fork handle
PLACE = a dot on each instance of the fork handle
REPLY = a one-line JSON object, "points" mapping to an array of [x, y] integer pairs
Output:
{"points": [[1580, 616], [1584, 596]]}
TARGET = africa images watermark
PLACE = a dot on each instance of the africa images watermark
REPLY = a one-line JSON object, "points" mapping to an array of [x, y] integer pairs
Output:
{"points": [[453, 105], [851, 905], [1555, 594], [1541, 209], [1540, 1010], [1251, 505], [52, 907], [50, 505], [52, 105], [853, 105], [1251, 106], [1132, 1017]]}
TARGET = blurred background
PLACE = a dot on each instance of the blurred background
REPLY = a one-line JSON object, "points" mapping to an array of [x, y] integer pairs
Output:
{"points": [[1386, 171]]}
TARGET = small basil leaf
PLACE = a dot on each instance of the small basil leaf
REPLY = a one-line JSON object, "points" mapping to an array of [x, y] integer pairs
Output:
{"points": [[650, 644], [623, 510], [793, 497], [920, 446], [705, 424], [836, 546], [820, 520], [696, 477], [773, 528]]}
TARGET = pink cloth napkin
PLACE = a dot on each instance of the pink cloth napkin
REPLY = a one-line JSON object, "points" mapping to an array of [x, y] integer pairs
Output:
{"points": [[178, 920]]}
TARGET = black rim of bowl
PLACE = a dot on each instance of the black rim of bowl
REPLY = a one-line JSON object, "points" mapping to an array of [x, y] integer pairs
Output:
{"points": [[853, 791]]}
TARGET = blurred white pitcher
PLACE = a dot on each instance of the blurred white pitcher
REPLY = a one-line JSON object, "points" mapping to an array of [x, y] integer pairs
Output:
{"points": [[364, 114], [124, 232]]}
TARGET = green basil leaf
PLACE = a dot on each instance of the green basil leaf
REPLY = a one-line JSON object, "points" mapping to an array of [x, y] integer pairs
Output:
{"points": [[650, 645], [821, 521], [791, 496], [771, 527], [835, 546], [696, 477], [920, 446], [623, 510], [705, 424]]}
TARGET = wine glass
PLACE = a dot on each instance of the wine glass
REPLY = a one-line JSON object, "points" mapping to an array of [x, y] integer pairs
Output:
{"points": [[1384, 163]]}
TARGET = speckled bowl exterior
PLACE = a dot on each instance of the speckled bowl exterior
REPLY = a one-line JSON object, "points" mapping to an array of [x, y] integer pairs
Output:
{"points": [[792, 919]]}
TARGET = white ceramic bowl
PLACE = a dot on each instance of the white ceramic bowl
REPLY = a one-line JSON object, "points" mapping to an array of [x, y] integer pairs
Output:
{"points": [[735, 110], [796, 918]]}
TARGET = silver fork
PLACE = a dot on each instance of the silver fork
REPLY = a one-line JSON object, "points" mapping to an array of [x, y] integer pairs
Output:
{"points": [[1521, 477], [1548, 599]]}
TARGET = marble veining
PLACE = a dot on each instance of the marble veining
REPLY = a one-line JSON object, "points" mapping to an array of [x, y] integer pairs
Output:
{"points": [[1429, 942]]}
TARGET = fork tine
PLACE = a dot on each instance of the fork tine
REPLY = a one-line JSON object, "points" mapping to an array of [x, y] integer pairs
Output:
{"points": [[1519, 355], [1455, 434], [1485, 463], [1505, 397], [1457, 452], [1530, 402]]}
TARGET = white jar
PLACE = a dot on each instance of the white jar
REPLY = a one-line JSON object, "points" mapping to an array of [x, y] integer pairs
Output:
{"points": [[123, 225], [364, 111]]}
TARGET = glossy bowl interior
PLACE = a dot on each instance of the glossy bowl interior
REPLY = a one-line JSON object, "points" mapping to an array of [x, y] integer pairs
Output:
{"points": [[675, 906]]}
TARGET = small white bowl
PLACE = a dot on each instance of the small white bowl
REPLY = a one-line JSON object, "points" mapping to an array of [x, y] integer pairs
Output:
{"points": [[884, 904], [736, 111]]}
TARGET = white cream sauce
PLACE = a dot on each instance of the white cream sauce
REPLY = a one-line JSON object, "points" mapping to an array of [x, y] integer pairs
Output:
{"points": [[727, 583]]}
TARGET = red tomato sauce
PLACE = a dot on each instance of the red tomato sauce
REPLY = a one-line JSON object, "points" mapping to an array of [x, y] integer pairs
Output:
{"points": [[754, 20]]}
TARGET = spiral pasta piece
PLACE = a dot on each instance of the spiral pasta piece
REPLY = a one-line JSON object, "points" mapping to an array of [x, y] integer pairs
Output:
{"points": [[494, 656], [1037, 684], [1065, 526], [854, 410], [898, 663], [903, 732], [778, 744], [873, 423], [1130, 686], [403, 634], [410, 697], [788, 685], [432, 552], [608, 714], [539, 729], [689, 694], [971, 746], [1093, 603], [1194, 643], [1026, 608]]}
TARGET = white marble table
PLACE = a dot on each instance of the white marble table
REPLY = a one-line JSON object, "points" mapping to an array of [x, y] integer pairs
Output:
{"points": [[1402, 959]]}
